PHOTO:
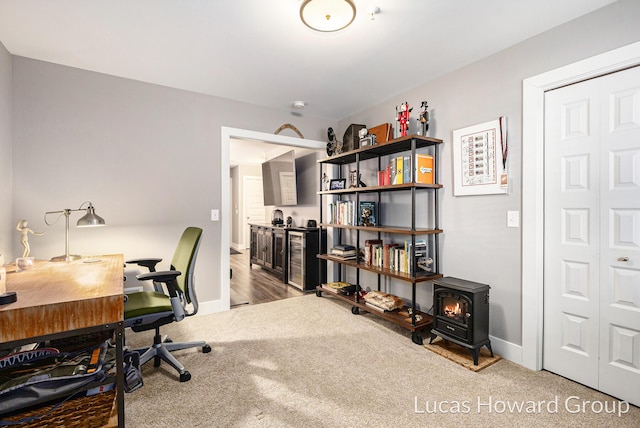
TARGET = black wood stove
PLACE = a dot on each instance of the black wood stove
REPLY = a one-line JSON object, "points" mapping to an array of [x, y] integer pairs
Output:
{"points": [[461, 314]]}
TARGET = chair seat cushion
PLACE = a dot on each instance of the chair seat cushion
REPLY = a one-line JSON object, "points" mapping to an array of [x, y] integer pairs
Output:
{"points": [[146, 302]]}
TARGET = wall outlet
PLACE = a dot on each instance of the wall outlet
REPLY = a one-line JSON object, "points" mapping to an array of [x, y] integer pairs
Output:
{"points": [[215, 215], [513, 218]]}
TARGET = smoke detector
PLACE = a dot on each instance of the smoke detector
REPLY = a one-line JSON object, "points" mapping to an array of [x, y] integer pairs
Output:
{"points": [[299, 104]]}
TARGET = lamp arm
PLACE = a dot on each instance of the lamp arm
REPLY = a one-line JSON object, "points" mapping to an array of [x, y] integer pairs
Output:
{"points": [[66, 212]]}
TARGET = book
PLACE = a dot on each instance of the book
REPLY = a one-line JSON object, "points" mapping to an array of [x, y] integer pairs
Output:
{"points": [[387, 255], [407, 170], [367, 249], [338, 251], [336, 286], [367, 213], [424, 169], [372, 306], [344, 257], [341, 288], [344, 252], [399, 167], [344, 247]]}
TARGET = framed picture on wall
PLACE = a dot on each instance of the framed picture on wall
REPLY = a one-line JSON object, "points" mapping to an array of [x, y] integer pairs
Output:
{"points": [[479, 159]]}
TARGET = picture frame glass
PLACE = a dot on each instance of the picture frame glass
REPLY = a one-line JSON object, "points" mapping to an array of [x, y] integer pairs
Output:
{"points": [[337, 184]]}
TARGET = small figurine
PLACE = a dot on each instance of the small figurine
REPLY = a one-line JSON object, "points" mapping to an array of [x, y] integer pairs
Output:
{"points": [[355, 179], [424, 118], [334, 147], [403, 118], [325, 181], [24, 230]]}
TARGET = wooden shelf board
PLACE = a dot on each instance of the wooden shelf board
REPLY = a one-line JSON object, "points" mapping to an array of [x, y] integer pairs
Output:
{"points": [[381, 271], [370, 189], [392, 146], [384, 229], [394, 316]]}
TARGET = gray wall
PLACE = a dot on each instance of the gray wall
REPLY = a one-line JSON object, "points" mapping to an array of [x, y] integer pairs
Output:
{"points": [[6, 170], [147, 156], [476, 244]]}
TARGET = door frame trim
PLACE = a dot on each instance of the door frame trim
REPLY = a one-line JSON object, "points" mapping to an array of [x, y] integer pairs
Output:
{"points": [[533, 90]]}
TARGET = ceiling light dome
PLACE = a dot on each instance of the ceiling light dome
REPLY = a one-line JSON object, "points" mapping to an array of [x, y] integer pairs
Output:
{"points": [[327, 15]]}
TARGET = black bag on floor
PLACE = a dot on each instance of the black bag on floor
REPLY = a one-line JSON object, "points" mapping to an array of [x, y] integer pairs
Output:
{"points": [[45, 375]]}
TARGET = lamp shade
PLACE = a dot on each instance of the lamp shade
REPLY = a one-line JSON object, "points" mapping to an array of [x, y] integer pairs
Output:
{"points": [[90, 219], [327, 15]]}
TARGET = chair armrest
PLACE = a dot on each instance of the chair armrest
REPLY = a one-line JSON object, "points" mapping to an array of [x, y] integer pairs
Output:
{"points": [[166, 276], [148, 263]]}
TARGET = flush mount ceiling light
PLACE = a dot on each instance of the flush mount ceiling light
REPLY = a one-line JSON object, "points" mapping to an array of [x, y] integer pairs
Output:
{"points": [[327, 15]]}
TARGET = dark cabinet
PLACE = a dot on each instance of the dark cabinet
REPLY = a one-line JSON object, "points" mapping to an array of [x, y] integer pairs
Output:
{"points": [[268, 249], [279, 251]]}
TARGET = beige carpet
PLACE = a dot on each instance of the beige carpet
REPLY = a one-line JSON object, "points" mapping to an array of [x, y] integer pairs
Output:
{"points": [[460, 355], [308, 362]]}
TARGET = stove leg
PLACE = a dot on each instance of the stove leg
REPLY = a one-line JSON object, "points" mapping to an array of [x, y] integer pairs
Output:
{"points": [[489, 347], [474, 354]]}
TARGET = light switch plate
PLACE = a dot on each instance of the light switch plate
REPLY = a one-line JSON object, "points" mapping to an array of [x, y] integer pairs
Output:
{"points": [[215, 215], [513, 218]]}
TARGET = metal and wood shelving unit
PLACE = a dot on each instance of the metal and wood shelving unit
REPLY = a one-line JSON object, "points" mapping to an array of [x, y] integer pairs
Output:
{"points": [[404, 317]]}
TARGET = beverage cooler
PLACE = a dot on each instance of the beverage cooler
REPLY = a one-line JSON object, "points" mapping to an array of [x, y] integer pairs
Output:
{"points": [[304, 270]]}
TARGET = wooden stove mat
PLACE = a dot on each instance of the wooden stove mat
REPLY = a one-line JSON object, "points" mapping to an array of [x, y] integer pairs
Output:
{"points": [[461, 355]]}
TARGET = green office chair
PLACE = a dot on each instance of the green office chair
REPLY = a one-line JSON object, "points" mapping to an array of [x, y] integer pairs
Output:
{"points": [[146, 310]]}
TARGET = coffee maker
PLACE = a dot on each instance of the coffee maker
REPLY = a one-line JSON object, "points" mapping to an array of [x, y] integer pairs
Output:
{"points": [[277, 217]]}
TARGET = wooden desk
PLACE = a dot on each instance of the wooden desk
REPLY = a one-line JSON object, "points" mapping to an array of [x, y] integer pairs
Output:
{"points": [[63, 299]]}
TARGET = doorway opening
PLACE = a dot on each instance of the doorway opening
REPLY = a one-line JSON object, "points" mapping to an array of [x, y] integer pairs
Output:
{"points": [[253, 137]]}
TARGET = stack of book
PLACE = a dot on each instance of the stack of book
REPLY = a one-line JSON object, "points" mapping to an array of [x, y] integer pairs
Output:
{"points": [[407, 259], [383, 302], [342, 212], [344, 251]]}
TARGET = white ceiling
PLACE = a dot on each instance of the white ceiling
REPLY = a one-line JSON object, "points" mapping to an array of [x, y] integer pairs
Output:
{"points": [[258, 51]]}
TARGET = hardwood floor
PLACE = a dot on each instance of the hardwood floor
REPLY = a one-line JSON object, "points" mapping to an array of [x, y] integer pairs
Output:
{"points": [[253, 285]]}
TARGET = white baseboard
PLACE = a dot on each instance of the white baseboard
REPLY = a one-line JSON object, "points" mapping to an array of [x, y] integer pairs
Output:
{"points": [[507, 350], [212, 307]]}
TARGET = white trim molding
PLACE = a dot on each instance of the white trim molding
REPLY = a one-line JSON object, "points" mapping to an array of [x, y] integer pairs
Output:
{"points": [[533, 90]]}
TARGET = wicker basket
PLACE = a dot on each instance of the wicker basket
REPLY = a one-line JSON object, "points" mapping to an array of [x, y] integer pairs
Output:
{"points": [[93, 411]]}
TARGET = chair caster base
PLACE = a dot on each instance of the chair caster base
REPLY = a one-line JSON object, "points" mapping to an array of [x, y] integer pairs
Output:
{"points": [[185, 376], [206, 349]]}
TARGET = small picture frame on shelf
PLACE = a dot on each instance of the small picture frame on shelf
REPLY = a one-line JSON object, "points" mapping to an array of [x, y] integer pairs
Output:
{"points": [[337, 184]]}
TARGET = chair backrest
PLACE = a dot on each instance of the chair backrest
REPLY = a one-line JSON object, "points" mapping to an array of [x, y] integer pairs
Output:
{"points": [[184, 260]]}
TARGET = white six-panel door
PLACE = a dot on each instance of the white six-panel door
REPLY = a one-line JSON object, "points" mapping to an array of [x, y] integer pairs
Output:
{"points": [[592, 233]]}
